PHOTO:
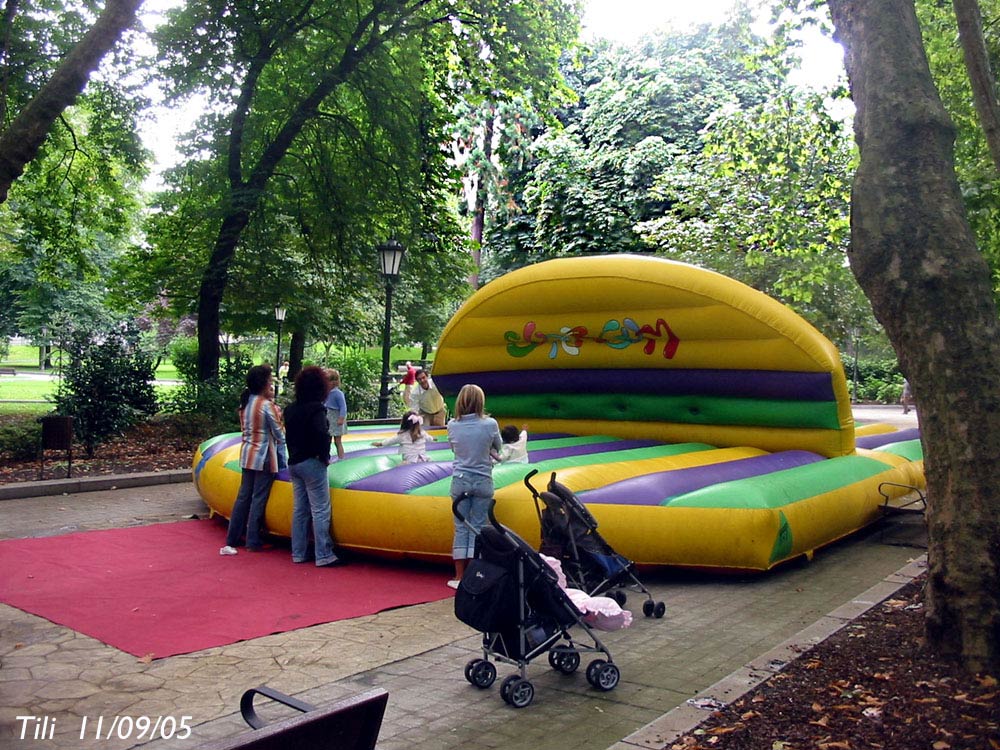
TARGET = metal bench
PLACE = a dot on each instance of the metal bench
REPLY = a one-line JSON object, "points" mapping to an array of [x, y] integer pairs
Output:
{"points": [[349, 724], [8, 371], [914, 502]]}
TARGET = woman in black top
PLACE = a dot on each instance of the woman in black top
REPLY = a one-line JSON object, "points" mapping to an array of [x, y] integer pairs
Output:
{"points": [[308, 439]]}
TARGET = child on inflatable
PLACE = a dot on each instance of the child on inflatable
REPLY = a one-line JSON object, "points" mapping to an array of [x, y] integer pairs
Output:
{"points": [[515, 445], [411, 439]]}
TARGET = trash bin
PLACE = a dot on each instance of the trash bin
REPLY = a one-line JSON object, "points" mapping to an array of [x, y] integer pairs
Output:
{"points": [[57, 434]]}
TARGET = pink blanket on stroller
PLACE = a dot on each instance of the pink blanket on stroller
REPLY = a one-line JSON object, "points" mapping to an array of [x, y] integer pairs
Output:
{"points": [[599, 612]]}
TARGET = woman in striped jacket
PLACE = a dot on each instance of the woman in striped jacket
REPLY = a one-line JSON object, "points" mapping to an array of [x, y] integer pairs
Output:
{"points": [[261, 455]]}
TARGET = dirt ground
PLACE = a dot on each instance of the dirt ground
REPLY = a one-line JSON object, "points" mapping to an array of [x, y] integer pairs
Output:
{"points": [[874, 684], [155, 446]]}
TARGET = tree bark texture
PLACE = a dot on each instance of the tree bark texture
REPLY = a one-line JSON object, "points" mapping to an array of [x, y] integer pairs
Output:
{"points": [[19, 144], [916, 258], [977, 63]]}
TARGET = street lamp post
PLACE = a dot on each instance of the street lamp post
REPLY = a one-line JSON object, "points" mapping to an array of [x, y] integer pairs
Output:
{"points": [[390, 255], [279, 315]]}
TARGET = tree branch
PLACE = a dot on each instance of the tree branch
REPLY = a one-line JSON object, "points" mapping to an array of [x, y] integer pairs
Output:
{"points": [[19, 144], [977, 63]]}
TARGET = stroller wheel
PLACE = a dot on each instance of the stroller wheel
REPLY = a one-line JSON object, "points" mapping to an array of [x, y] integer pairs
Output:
{"points": [[520, 693], [468, 669], [566, 662], [647, 607], [505, 686], [603, 675], [620, 596], [592, 670], [661, 609], [483, 674]]}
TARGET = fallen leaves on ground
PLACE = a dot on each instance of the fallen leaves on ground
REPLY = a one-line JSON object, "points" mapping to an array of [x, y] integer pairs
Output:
{"points": [[874, 685], [154, 446]]}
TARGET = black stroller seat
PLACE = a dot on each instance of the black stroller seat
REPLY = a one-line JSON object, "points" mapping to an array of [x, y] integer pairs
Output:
{"points": [[512, 596], [569, 533]]}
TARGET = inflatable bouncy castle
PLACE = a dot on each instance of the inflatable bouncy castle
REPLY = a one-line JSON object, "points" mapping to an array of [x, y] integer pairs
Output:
{"points": [[702, 423]]}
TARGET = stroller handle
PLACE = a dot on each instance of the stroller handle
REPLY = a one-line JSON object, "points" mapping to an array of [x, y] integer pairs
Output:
{"points": [[527, 480], [455, 511]]}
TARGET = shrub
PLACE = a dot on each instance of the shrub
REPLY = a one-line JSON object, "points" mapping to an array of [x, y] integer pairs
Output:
{"points": [[878, 380], [216, 400], [20, 438], [107, 385], [359, 380]]}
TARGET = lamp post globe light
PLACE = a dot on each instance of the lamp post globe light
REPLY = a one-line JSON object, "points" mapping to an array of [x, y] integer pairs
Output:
{"points": [[390, 256], [279, 315]]}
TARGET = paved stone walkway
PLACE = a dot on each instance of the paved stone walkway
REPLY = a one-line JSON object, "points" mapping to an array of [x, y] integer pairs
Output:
{"points": [[720, 635]]}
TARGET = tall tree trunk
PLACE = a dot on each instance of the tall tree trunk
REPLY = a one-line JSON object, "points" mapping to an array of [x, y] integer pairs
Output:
{"points": [[19, 144], [213, 287], [296, 352], [916, 258], [977, 62], [482, 196]]}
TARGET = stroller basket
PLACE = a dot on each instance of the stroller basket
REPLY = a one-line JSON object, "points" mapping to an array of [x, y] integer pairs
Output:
{"points": [[569, 533], [512, 596]]}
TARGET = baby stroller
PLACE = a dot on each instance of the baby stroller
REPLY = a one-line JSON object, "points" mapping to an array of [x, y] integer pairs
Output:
{"points": [[569, 533], [512, 596]]}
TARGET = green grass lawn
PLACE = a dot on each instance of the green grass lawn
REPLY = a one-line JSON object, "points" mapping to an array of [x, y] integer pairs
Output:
{"points": [[26, 358], [13, 388]]}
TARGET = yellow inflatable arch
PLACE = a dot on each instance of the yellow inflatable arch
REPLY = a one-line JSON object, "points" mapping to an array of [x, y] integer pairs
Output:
{"points": [[640, 346]]}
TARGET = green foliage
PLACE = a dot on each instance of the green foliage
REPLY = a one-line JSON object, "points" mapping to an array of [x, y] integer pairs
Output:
{"points": [[215, 400], [587, 186], [20, 438], [106, 385], [878, 380], [325, 126], [359, 380], [973, 164], [766, 201], [69, 216]]}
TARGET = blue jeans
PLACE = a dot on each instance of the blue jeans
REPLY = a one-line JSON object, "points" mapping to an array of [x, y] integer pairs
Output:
{"points": [[311, 500], [478, 491], [248, 510]]}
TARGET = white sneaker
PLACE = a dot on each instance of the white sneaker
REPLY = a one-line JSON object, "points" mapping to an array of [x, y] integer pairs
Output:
{"points": [[453, 583], [227, 550]]}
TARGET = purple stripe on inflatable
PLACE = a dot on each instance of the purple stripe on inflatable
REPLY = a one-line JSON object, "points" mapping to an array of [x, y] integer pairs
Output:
{"points": [[403, 478], [587, 448], [441, 444], [653, 489], [885, 438], [775, 384], [391, 450], [220, 445]]}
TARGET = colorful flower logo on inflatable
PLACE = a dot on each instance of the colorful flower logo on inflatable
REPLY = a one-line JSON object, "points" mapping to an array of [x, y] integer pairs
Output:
{"points": [[615, 334]]}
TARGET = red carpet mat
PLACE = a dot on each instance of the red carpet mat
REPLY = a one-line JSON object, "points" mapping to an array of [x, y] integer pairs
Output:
{"points": [[162, 590]]}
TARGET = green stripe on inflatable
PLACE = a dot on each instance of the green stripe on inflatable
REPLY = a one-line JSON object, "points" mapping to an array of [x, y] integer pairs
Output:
{"points": [[782, 488], [712, 410], [353, 469], [506, 474], [911, 450], [343, 473], [783, 541]]}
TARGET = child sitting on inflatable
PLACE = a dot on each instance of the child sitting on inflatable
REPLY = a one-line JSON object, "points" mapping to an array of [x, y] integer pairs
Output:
{"points": [[411, 439], [515, 445]]}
